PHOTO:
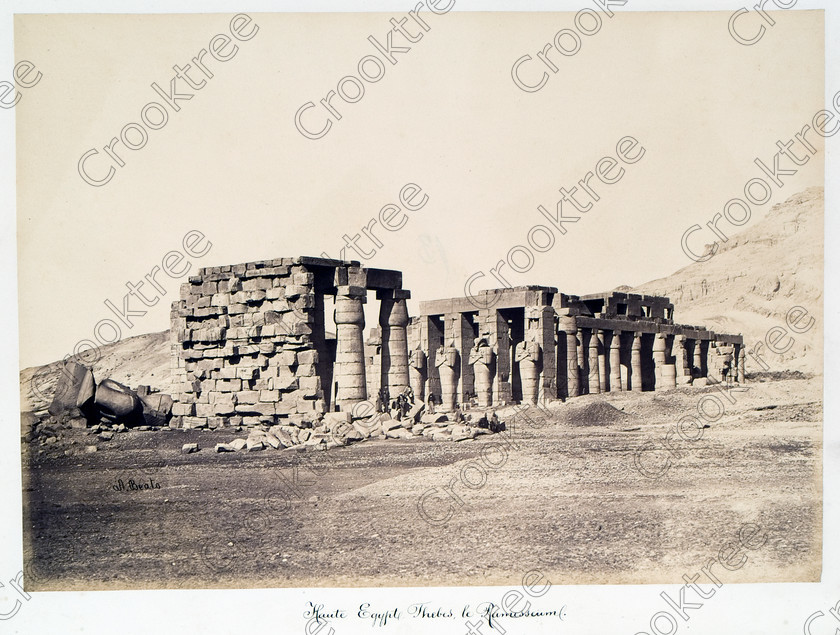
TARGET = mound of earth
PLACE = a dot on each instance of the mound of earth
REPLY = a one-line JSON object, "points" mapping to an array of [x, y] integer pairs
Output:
{"points": [[597, 413]]}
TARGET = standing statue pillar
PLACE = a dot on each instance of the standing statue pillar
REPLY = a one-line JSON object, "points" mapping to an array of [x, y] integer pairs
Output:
{"points": [[417, 373], [615, 361], [742, 358], [594, 370], [447, 363], [350, 352], [636, 363], [528, 356], [482, 360]]}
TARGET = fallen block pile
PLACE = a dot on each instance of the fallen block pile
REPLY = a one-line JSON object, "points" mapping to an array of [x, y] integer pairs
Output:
{"points": [[105, 407], [339, 429]]}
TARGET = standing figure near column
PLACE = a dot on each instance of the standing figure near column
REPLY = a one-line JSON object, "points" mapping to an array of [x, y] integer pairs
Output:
{"points": [[594, 370], [615, 361], [447, 364], [636, 363], [528, 356], [417, 374], [481, 359], [350, 351]]}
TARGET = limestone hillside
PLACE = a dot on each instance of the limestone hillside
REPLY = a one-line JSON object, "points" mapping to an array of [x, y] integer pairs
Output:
{"points": [[755, 277]]}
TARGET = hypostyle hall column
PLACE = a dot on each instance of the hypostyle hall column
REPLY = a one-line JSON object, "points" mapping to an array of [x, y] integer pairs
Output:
{"points": [[350, 351], [742, 358], [683, 365], [636, 363], [569, 327], [602, 360], [659, 360], [615, 361], [698, 357], [393, 319], [594, 370]]}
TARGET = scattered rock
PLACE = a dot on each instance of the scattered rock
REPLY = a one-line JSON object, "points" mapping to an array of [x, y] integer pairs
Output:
{"points": [[238, 444], [106, 435], [254, 445], [461, 433], [224, 447], [189, 448], [90, 449]]}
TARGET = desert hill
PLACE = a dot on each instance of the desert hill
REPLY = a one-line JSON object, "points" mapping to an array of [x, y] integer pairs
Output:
{"points": [[755, 277]]}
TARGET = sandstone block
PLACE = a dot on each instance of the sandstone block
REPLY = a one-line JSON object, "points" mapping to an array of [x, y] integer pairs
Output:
{"points": [[189, 448], [238, 444]]}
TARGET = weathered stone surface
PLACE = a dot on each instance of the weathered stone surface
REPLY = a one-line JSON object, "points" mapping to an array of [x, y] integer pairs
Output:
{"points": [[74, 388], [433, 418], [273, 441], [398, 433], [115, 399], [238, 444], [441, 436], [390, 424], [189, 448], [461, 433], [254, 445], [90, 449], [224, 447]]}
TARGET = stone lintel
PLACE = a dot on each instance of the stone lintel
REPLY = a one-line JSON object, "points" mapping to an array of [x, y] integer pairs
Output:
{"points": [[384, 279]]}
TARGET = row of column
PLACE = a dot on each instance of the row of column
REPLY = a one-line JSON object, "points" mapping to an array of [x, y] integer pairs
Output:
{"points": [[349, 369]]}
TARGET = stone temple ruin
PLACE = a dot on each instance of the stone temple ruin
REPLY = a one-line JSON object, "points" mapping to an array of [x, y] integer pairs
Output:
{"points": [[252, 344]]}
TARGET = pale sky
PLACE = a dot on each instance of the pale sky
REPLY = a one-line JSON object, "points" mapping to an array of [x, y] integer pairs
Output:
{"points": [[447, 116]]}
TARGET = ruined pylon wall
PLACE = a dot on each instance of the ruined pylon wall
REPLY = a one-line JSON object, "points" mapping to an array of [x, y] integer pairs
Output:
{"points": [[243, 346]]}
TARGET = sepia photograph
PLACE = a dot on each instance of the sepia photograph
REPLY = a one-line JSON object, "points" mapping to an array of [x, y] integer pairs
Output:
{"points": [[442, 313]]}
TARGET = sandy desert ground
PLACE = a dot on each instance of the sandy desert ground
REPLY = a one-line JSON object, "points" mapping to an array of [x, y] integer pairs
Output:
{"points": [[565, 498]]}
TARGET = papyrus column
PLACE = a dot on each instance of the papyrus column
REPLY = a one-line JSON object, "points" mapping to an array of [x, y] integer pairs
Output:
{"points": [[594, 370], [683, 363], [350, 351], [636, 363], [615, 361], [603, 356], [659, 360], [568, 330], [393, 319], [698, 357]]}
